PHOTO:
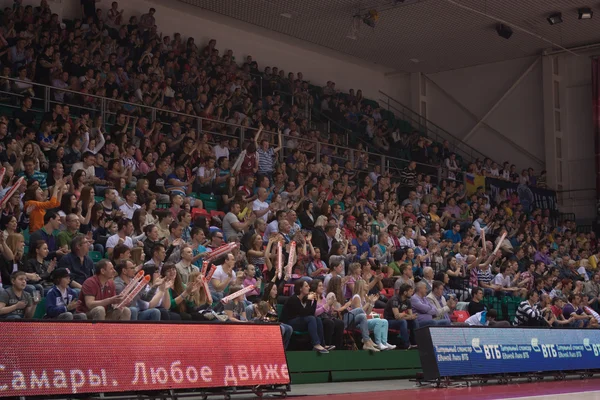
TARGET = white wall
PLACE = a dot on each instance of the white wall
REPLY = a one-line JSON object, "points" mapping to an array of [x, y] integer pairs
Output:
{"points": [[579, 168], [519, 117]]}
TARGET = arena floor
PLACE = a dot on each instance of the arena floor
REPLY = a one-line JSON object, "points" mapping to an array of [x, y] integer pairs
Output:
{"points": [[392, 390]]}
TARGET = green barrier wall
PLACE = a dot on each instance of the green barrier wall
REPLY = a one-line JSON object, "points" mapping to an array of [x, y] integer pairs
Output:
{"points": [[340, 366]]}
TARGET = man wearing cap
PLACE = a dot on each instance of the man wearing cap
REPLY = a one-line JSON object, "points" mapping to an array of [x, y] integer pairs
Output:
{"points": [[61, 300]]}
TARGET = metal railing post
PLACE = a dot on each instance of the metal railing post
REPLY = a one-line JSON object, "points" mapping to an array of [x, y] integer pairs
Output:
{"points": [[199, 125], [153, 115], [242, 137], [318, 152], [103, 113], [47, 99], [261, 87]]}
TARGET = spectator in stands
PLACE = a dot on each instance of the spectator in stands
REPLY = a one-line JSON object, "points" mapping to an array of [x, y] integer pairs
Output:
{"points": [[125, 229], [270, 297], [222, 277], [266, 155], [476, 305], [572, 311], [299, 312], [483, 318], [424, 309], [35, 202], [398, 312], [15, 303], [333, 327], [46, 234], [144, 305], [436, 298], [61, 300], [529, 313], [78, 262], [98, 296], [72, 225]]}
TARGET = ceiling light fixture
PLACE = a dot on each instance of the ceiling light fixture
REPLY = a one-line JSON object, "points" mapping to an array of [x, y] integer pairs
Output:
{"points": [[555, 18], [585, 13], [504, 31]]}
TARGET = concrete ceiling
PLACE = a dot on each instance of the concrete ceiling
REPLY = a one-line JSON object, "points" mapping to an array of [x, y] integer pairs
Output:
{"points": [[420, 35]]}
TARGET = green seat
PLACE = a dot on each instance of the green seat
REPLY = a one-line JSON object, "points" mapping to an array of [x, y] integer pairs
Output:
{"points": [[26, 250], [209, 201], [95, 256], [26, 235], [40, 310], [98, 199]]}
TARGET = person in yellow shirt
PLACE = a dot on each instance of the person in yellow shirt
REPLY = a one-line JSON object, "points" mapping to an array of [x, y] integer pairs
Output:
{"points": [[594, 260]]}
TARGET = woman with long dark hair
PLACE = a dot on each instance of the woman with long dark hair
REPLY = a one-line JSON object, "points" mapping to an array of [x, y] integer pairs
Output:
{"points": [[180, 296], [333, 326], [307, 217], [270, 296], [299, 312]]}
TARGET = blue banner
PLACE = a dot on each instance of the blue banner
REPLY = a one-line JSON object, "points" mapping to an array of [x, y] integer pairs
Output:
{"points": [[479, 351]]}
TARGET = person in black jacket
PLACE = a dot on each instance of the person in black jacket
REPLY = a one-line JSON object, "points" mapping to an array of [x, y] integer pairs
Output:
{"points": [[324, 238], [299, 312], [307, 216]]}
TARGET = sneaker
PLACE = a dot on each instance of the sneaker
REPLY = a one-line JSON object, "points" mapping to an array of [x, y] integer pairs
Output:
{"points": [[389, 346], [322, 350], [222, 317], [329, 348], [412, 347], [370, 347], [381, 346]]}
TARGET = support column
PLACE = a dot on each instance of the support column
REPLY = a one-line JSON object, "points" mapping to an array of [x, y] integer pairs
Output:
{"points": [[555, 122], [418, 97]]}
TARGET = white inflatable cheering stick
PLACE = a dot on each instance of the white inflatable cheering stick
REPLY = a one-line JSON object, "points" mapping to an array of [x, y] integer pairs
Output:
{"points": [[279, 260], [12, 191], [500, 242], [290, 264], [204, 269], [205, 281], [237, 294], [138, 288], [133, 283], [216, 253]]}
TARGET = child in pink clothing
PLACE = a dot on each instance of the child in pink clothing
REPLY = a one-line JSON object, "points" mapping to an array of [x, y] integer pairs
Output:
{"points": [[251, 280]]}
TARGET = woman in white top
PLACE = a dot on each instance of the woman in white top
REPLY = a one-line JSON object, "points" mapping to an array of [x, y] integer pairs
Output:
{"points": [[361, 305]]}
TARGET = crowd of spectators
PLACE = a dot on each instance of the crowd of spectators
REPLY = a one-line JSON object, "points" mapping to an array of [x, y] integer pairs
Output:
{"points": [[376, 254]]}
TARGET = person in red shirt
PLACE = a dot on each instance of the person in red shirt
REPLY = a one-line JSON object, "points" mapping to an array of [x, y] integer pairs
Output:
{"points": [[98, 296], [350, 228]]}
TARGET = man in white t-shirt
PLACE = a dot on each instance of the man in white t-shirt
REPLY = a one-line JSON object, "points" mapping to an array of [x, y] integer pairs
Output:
{"points": [[221, 149], [125, 229], [129, 207], [232, 227], [260, 206], [221, 278]]}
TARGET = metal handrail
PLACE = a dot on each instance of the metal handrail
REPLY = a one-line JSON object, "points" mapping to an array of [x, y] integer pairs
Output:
{"points": [[385, 160], [427, 124]]}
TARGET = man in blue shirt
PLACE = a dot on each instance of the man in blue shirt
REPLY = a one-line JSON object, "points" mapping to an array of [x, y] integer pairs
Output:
{"points": [[362, 243], [454, 233]]}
